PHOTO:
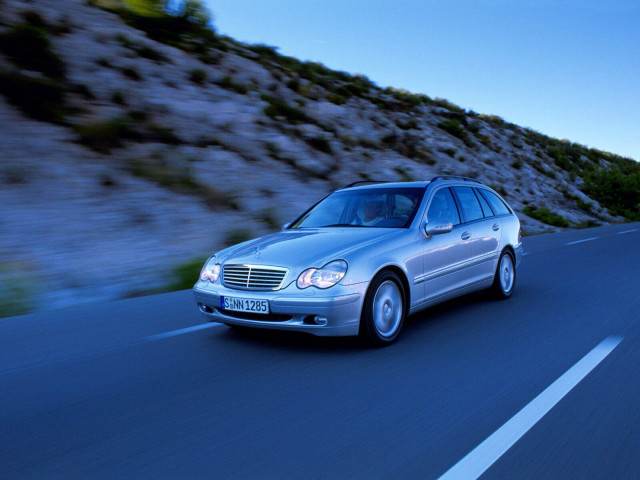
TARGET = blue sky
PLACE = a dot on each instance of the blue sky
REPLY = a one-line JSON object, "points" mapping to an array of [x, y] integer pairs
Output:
{"points": [[569, 69]]}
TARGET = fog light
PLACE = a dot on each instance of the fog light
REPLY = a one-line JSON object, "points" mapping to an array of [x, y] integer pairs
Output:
{"points": [[320, 320], [205, 308]]}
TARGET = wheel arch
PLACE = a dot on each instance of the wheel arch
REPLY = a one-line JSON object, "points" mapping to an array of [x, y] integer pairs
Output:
{"points": [[509, 248], [403, 278]]}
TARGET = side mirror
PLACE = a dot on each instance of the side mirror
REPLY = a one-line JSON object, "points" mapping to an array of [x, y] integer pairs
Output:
{"points": [[437, 229], [285, 226]]}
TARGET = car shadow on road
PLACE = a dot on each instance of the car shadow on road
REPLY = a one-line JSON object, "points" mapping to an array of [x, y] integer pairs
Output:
{"points": [[416, 325]]}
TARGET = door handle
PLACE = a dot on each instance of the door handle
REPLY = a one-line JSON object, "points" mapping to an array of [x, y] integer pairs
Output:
{"points": [[465, 236], [495, 227]]}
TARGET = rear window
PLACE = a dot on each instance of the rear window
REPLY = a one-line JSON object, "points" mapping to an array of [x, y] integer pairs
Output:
{"points": [[497, 205], [469, 203], [486, 209]]}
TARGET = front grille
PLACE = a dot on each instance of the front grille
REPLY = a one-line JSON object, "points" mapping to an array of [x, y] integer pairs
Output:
{"points": [[253, 277]]}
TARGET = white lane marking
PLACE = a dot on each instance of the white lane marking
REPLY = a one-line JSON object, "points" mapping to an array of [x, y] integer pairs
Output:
{"points": [[582, 241], [628, 231], [182, 331], [488, 452]]}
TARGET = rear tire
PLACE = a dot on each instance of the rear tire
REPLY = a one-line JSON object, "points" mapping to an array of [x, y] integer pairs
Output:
{"points": [[384, 310], [504, 281]]}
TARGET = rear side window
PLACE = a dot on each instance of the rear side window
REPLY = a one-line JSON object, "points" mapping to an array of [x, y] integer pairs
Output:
{"points": [[468, 201], [486, 209], [497, 205], [443, 208]]}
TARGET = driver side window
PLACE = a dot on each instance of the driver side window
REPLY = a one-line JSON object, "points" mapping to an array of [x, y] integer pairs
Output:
{"points": [[443, 208]]}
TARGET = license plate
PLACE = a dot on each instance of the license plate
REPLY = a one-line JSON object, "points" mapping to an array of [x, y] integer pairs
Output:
{"points": [[244, 305]]}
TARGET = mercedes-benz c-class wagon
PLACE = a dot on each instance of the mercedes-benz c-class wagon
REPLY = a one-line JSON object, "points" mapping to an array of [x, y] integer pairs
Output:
{"points": [[366, 256]]}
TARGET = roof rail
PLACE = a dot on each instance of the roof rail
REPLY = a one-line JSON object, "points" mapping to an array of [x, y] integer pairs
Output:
{"points": [[455, 177], [362, 182]]}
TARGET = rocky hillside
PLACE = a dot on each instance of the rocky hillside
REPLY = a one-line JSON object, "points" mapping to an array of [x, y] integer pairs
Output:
{"points": [[132, 144]]}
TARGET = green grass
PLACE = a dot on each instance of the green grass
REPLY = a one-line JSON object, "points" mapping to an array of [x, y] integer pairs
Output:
{"points": [[544, 215], [16, 296]]}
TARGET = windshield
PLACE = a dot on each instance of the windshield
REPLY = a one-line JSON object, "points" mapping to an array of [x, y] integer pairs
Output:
{"points": [[370, 207]]}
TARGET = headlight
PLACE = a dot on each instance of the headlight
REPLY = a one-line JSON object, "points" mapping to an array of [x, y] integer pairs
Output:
{"points": [[210, 271], [324, 277]]}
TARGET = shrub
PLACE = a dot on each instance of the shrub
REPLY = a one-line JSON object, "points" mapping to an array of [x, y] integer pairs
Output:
{"points": [[269, 216], [131, 73], [117, 97], [278, 108], [585, 206], [617, 189], [237, 235], [228, 83], [337, 99], [33, 18], [406, 100], [143, 51], [452, 107], [38, 98], [294, 84], [544, 215], [450, 151], [177, 176], [197, 76], [185, 275], [105, 135], [82, 89], [320, 143], [517, 164], [453, 127], [408, 125], [28, 47]]}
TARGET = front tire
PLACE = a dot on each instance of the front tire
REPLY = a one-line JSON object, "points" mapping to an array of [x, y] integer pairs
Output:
{"points": [[504, 281], [384, 310]]}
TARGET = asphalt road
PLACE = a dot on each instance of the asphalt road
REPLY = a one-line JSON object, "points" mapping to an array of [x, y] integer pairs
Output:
{"points": [[128, 390]]}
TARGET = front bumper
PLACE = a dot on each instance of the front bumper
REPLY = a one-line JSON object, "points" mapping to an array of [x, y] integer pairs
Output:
{"points": [[332, 312]]}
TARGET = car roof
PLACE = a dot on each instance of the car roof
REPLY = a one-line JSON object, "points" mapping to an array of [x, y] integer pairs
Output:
{"points": [[444, 179]]}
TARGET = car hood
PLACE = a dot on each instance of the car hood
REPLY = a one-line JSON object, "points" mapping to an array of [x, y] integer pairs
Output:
{"points": [[298, 249]]}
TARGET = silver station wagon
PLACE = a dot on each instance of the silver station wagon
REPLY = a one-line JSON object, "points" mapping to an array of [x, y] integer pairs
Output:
{"points": [[366, 256]]}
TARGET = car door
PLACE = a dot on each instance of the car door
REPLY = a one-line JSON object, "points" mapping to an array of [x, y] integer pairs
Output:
{"points": [[487, 249], [484, 234], [443, 254]]}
